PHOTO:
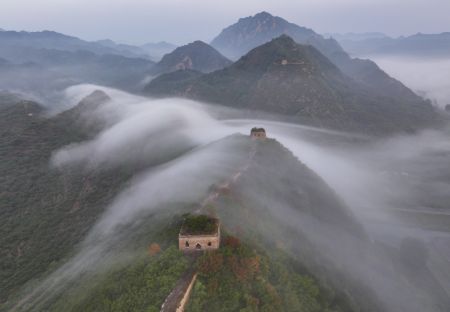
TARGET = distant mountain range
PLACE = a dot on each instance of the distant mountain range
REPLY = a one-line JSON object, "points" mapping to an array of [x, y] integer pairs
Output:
{"points": [[297, 80], [42, 63], [419, 45], [355, 36], [125, 49], [11, 41], [43, 72], [195, 56]]}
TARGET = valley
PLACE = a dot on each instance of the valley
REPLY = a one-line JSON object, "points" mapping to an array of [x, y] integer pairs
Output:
{"points": [[327, 176]]}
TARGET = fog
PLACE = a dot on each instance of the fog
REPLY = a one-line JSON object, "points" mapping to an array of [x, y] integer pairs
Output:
{"points": [[376, 180], [427, 77]]}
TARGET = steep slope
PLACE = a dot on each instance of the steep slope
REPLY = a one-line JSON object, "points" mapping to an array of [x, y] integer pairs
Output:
{"points": [[300, 244], [44, 212], [194, 56], [281, 204], [255, 264], [250, 32], [284, 77]]}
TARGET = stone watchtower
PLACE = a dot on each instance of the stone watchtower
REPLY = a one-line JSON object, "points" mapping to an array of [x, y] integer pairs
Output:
{"points": [[199, 232], [258, 133]]}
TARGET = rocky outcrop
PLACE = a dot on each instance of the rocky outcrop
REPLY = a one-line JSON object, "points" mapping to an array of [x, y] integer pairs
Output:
{"points": [[197, 56]]}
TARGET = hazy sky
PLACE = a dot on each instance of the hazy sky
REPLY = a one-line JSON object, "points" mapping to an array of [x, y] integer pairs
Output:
{"points": [[182, 21]]}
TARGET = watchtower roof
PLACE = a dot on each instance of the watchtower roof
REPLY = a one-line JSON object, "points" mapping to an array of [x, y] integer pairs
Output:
{"points": [[255, 129], [198, 225]]}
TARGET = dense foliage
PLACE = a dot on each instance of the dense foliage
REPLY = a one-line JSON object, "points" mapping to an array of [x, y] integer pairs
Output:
{"points": [[44, 211], [199, 224], [239, 278], [143, 286]]}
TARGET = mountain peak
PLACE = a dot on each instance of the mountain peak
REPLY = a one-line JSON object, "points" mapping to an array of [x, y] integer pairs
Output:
{"points": [[263, 14], [239, 38], [283, 53], [284, 40], [196, 55], [199, 43]]}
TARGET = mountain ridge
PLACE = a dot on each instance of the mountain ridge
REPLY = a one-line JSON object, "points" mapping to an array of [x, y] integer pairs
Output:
{"points": [[54, 40], [253, 31], [284, 77]]}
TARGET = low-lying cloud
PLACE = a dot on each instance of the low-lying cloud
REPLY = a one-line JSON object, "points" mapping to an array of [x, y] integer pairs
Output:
{"points": [[427, 77], [371, 177]]}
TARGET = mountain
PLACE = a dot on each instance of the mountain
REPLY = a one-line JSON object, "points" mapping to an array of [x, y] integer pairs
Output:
{"points": [[298, 81], [125, 49], [157, 50], [12, 41], [194, 56], [41, 230], [44, 63], [42, 227], [250, 32], [418, 45], [44, 72], [289, 241]]}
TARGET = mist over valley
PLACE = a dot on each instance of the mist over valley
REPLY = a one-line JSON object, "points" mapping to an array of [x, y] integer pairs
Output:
{"points": [[326, 165]]}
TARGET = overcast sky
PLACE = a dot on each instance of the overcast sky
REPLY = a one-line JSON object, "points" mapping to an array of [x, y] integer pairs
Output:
{"points": [[182, 21]]}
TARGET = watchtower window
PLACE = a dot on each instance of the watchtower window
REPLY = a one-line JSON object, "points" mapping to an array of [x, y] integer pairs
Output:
{"points": [[186, 244], [209, 243], [198, 246]]}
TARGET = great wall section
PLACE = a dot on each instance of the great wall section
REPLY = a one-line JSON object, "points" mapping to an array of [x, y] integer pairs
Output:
{"points": [[178, 298]]}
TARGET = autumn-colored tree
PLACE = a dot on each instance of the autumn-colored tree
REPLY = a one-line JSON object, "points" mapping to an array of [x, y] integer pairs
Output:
{"points": [[252, 264], [232, 242], [245, 268], [154, 249], [210, 263]]}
